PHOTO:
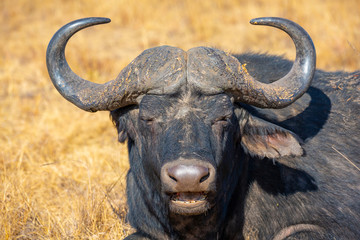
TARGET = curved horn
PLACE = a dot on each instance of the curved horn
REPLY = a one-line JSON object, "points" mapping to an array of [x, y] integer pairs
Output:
{"points": [[84, 94], [212, 71], [157, 70], [293, 85]]}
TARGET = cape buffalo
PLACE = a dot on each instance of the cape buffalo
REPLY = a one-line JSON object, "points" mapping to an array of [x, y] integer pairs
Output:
{"points": [[216, 154]]}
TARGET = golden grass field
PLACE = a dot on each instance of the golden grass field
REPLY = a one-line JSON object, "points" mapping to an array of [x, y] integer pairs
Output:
{"points": [[62, 172]]}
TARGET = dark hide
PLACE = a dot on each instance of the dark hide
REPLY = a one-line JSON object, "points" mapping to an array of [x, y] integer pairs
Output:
{"points": [[267, 186]]}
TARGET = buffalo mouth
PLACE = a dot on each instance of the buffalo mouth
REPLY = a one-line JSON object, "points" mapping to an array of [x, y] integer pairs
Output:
{"points": [[189, 203]]}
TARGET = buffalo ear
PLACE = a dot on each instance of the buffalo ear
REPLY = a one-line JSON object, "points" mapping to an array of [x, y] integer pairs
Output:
{"points": [[124, 119], [264, 139], [117, 117]]}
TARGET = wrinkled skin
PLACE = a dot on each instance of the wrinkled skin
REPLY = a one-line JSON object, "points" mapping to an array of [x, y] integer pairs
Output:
{"points": [[305, 197]]}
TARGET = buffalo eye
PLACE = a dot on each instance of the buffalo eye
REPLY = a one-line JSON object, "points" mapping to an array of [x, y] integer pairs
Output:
{"points": [[222, 120], [147, 116], [146, 119]]}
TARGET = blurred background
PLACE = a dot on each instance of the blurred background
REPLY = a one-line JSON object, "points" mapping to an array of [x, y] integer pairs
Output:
{"points": [[62, 172]]}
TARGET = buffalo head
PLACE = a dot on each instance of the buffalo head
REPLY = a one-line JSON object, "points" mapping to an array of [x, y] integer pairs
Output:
{"points": [[184, 115]]}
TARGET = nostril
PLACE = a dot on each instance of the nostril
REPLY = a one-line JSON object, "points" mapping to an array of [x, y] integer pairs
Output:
{"points": [[203, 179], [173, 178]]}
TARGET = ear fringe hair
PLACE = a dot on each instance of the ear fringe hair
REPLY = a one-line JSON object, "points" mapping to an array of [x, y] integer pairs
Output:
{"points": [[119, 120]]}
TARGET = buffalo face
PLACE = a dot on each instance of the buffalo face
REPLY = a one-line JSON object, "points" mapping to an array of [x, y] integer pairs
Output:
{"points": [[183, 140]]}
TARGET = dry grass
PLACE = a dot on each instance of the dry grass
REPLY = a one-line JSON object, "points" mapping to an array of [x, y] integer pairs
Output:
{"points": [[61, 169]]}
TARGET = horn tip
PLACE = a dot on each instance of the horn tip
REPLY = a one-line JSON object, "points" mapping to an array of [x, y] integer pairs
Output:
{"points": [[107, 20], [99, 20], [255, 21], [262, 20]]}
